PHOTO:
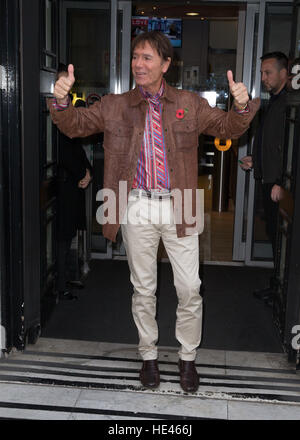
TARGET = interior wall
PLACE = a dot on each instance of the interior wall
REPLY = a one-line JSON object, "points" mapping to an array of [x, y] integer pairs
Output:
{"points": [[278, 36], [86, 51], [203, 41], [195, 39], [223, 34], [222, 46]]}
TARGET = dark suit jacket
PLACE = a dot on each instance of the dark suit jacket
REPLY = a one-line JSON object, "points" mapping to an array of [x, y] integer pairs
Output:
{"points": [[269, 141], [73, 163]]}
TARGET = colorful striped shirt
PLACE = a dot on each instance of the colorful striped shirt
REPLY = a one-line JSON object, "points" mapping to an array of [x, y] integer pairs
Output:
{"points": [[152, 168]]}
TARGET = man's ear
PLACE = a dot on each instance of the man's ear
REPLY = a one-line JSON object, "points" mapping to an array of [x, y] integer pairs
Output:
{"points": [[166, 65], [283, 73]]}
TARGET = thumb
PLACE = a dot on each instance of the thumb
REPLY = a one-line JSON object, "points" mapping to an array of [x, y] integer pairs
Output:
{"points": [[230, 78], [71, 72]]}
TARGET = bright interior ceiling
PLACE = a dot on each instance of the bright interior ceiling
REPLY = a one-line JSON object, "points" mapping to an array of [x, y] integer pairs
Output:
{"points": [[175, 9]]}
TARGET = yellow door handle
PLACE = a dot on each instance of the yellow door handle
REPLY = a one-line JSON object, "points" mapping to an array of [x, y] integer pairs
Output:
{"points": [[222, 147]]}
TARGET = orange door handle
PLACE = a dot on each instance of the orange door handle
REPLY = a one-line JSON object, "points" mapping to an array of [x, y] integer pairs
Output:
{"points": [[222, 147]]}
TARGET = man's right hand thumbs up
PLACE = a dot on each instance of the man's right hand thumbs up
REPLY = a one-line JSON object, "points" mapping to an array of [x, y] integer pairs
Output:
{"points": [[64, 85]]}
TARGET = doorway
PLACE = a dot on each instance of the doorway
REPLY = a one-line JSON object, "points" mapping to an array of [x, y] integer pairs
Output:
{"points": [[221, 212], [115, 17], [233, 36], [201, 68]]}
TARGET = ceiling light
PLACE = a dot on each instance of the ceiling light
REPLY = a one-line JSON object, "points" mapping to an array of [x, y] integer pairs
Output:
{"points": [[192, 13]]}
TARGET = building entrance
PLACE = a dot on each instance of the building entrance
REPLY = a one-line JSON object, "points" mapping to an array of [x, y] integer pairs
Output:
{"points": [[230, 36], [103, 66]]}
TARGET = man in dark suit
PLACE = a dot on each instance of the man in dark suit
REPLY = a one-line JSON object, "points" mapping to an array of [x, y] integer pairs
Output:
{"points": [[266, 159]]}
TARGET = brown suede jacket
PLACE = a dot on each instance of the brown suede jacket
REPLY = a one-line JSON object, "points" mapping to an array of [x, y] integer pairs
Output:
{"points": [[122, 119]]}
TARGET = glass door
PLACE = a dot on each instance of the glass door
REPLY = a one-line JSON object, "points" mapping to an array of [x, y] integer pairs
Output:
{"points": [[48, 139], [268, 28], [102, 66], [295, 45]]}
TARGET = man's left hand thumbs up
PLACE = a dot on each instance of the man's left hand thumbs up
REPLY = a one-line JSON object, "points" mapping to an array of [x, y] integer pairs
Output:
{"points": [[238, 91]]}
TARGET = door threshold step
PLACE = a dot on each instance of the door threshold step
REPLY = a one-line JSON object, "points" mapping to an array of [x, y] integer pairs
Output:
{"points": [[260, 377]]}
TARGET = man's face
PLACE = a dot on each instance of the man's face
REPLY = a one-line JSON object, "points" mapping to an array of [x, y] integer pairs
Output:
{"points": [[272, 78], [148, 68]]}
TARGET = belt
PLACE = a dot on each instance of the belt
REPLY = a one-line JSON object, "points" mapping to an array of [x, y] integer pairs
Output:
{"points": [[152, 194]]}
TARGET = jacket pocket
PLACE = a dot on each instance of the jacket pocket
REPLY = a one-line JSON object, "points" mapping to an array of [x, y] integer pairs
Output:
{"points": [[185, 134], [117, 137]]}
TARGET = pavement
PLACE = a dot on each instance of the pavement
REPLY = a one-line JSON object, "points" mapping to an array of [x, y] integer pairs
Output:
{"points": [[59, 379]]}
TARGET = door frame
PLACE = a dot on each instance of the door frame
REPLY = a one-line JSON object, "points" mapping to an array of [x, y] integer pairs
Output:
{"points": [[11, 224]]}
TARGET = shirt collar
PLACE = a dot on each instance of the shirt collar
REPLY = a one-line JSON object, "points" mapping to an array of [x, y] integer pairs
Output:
{"points": [[159, 94], [168, 93]]}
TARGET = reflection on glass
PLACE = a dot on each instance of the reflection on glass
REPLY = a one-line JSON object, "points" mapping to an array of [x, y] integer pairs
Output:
{"points": [[50, 61], [48, 22], [297, 49], [49, 244], [252, 88], [254, 56], [50, 172], [290, 142], [278, 27], [90, 53], [283, 252], [49, 139], [49, 213], [118, 86]]}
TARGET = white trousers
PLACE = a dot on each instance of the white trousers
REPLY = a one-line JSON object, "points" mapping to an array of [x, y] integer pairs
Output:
{"points": [[146, 221]]}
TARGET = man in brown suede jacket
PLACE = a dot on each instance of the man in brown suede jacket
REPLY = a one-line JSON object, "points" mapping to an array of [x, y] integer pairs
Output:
{"points": [[150, 143]]}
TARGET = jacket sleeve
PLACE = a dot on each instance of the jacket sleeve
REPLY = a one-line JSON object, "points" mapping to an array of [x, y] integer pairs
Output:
{"points": [[78, 122], [225, 125]]}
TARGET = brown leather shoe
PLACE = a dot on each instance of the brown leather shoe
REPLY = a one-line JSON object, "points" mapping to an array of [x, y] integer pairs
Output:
{"points": [[149, 374], [189, 379]]}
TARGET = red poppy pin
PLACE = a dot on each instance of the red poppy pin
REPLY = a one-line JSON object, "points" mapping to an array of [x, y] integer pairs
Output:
{"points": [[181, 112]]}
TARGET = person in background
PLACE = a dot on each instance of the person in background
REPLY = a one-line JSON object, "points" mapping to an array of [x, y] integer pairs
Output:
{"points": [[74, 176], [266, 159]]}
